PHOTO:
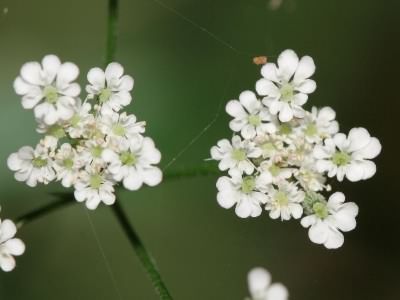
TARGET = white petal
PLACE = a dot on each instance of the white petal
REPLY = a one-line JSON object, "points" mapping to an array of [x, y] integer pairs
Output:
{"points": [[235, 109], [133, 182], [258, 280], [277, 291], [287, 62], [335, 240], [286, 113], [307, 87], [270, 72], [319, 232], [15, 247], [359, 138], [114, 70], [248, 132], [371, 150], [7, 263], [68, 72], [243, 208], [265, 87], [152, 176], [31, 73], [369, 169], [249, 100], [355, 171], [96, 77], [305, 69], [126, 83], [7, 230], [51, 64]]}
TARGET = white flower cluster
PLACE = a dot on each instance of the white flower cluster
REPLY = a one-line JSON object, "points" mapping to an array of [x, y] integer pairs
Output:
{"points": [[89, 144], [260, 287], [9, 245], [281, 155]]}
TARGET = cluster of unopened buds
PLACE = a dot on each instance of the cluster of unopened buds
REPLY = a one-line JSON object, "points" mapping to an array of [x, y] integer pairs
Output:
{"points": [[89, 145], [281, 156]]}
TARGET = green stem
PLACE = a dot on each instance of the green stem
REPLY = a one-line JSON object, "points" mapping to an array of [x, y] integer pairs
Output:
{"points": [[112, 32], [144, 256]]}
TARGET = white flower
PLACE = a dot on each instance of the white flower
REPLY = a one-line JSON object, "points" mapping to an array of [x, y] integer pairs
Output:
{"points": [[329, 219], [81, 121], [34, 165], [48, 88], [244, 192], [277, 173], [67, 165], [319, 124], [9, 246], [94, 187], [235, 156], [121, 126], [250, 116], [286, 87], [309, 178], [133, 163], [111, 87], [284, 201], [350, 157], [260, 287]]}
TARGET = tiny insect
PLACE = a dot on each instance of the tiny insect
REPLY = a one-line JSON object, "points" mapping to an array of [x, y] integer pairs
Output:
{"points": [[260, 60]]}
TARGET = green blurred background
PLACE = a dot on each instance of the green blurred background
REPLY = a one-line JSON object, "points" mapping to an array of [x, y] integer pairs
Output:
{"points": [[181, 76]]}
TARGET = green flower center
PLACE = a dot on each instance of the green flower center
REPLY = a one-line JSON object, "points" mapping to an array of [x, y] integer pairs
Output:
{"points": [[105, 95], [320, 210], [274, 170], [281, 198], [248, 184], [118, 129], [68, 163], [287, 92], [50, 94], [96, 151], [38, 162], [268, 147], [95, 181], [285, 129], [254, 120], [238, 154], [75, 120], [128, 158], [341, 158], [56, 131], [311, 130]]}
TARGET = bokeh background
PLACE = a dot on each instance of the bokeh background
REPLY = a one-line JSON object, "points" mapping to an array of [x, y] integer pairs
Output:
{"points": [[182, 75]]}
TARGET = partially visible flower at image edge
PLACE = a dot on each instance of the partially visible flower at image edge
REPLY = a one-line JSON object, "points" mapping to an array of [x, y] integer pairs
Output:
{"points": [[260, 287], [9, 245]]}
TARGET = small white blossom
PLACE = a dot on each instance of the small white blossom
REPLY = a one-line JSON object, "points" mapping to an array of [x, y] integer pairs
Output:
{"points": [[319, 124], [48, 88], [348, 156], [260, 287], [110, 87], [236, 156], [244, 192], [277, 173], [93, 187], [81, 121], [34, 165], [287, 86], [329, 219], [133, 162], [284, 201], [250, 116], [9, 246], [119, 126], [67, 165]]}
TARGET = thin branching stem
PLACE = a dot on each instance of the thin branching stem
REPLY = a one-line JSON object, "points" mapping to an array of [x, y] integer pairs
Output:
{"points": [[144, 256]]}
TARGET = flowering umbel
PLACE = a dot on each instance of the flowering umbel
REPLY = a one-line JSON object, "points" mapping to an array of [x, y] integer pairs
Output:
{"points": [[89, 145], [281, 156]]}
